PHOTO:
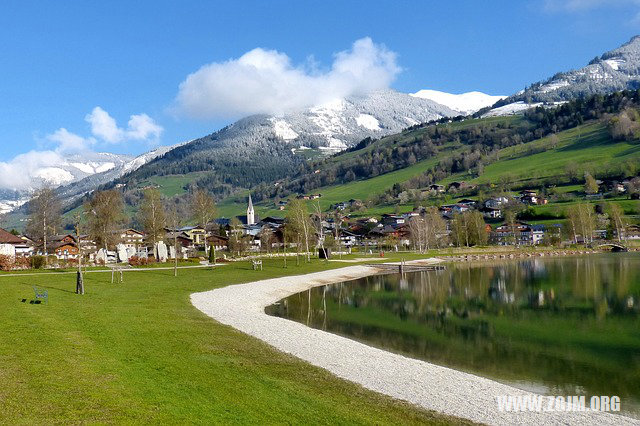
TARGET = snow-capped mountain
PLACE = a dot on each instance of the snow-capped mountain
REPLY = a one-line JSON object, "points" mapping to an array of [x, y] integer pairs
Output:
{"points": [[341, 123], [77, 173], [465, 103], [264, 148], [615, 70]]}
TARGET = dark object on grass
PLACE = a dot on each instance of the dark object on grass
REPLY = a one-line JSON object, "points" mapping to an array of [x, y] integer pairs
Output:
{"points": [[324, 253]]}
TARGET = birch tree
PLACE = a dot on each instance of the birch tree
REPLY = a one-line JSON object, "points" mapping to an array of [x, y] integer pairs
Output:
{"points": [[301, 224], [152, 215], [105, 215], [203, 209], [616, 216], [44, 217]]}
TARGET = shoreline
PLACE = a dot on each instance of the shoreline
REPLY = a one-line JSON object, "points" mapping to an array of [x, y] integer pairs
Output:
{"points": [[426, 385]]}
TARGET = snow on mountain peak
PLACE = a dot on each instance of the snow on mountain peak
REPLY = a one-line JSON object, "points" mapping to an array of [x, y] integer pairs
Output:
{"points": [[465, 103]]}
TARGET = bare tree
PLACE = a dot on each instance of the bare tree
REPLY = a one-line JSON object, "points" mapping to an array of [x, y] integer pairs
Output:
{"points": [[616, 216], [152, 215], [173, 219], [203, 209], [105, 215], [44, 218], [300, 223]]}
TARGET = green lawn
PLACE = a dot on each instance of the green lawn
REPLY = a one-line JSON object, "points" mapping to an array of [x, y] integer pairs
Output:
{"points": [[140, 352]]}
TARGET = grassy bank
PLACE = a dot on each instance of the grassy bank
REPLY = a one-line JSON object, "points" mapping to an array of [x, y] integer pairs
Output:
{"points": [[139, 352]]}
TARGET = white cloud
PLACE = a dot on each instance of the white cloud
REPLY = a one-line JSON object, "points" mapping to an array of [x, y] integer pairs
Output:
{"points": [[265, 81], [143, 127], [22, 169], [104, 126], [70, 142], [25, 170], [139, 127]]}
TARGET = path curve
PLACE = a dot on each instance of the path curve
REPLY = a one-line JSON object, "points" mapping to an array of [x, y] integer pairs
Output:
{"points": [[426, 385]]}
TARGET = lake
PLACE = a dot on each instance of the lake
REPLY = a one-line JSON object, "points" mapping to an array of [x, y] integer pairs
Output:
{"points": [[557, 326]]}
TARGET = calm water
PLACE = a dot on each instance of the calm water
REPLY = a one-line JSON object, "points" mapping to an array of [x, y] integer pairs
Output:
{"points": [[560, 326]]}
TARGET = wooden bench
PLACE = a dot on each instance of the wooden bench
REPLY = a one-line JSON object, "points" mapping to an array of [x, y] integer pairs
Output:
{"points": [[41, 294], [256, 264]]}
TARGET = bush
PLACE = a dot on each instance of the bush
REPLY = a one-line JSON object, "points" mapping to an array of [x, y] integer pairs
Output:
{"points": [[138, 261], [37, 262], [6, 262]]}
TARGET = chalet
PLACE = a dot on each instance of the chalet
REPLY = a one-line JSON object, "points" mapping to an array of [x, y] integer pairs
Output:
{"points": [[218, 241], [520, 233], [467, 203], [21, 246], [184, 240], [281, 205], [272, 221], [496, 202], [632, 232], [393, 219], [66, 249], [339, 206], [132, 238], [349, 239], [531, 197], [491, 212]]}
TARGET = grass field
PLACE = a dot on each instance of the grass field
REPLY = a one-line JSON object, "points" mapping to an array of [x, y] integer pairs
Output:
{"points": [[139, 352]]}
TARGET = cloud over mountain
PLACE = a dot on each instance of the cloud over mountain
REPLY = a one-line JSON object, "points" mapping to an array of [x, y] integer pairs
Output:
{"points": [[266, 82]]}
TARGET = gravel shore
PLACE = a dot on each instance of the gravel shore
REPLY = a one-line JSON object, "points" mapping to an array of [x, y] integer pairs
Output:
{"points": [[426, 385]]}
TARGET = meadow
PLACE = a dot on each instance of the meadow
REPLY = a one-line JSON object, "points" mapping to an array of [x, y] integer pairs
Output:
{"points": [[140, 352]]}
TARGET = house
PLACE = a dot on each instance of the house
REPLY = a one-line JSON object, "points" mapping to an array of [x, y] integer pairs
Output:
{"points": [[438, 189], [393, 219], [281, 205], [496, 202], [491, 212], [218, 241], [457, 186], [529, 197], [66, 250], [184, 240], [132, 238], [632, 232], [520, 233], [21, 245], [467, 203]]}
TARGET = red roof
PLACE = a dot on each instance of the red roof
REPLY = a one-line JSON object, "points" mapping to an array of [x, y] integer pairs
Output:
{"points": [[9, 238]]}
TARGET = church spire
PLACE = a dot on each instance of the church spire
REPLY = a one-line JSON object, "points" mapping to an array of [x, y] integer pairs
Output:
{"points": [[251, 220]]}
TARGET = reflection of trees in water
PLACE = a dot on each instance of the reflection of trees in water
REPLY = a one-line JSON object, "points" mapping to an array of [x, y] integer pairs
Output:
{"points": [[562, 322]]}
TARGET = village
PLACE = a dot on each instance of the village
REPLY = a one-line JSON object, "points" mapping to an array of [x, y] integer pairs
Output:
{"points": [[466, 222]]}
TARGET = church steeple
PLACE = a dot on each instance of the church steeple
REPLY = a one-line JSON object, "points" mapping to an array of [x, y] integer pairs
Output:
{"points": [[251, 220]]}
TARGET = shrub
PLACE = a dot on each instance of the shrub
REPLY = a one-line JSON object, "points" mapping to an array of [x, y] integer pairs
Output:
{"points": [[6, 262], [37, 262]]}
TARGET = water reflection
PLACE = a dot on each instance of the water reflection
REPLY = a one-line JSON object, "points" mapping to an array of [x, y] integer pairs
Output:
{"points": [[558, 325]]}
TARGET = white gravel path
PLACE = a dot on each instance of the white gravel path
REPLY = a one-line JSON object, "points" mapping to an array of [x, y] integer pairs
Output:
{"points": [[426, 385]]}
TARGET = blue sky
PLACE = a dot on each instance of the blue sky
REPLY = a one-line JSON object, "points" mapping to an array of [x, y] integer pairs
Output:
{"points": [[72, 65]]}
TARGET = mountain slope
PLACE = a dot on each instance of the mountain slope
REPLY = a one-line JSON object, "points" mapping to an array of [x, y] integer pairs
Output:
{"points": [[267, 148], [618, 69], [465, 103], [495, 153], [76, 174]]}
